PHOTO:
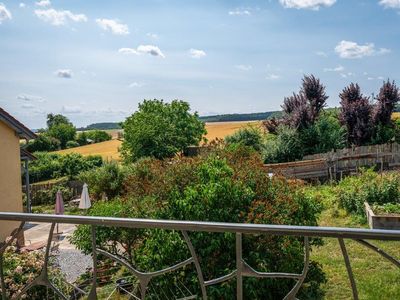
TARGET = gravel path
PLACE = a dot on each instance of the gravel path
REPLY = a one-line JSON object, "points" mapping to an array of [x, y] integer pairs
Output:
{"points": [[73, 263]]}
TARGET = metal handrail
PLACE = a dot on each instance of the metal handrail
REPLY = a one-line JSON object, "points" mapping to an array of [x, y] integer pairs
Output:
{"points": [[242, 268], [310, 231]]}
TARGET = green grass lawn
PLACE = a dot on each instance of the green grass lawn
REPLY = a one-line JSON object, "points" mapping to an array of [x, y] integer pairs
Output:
{"points": [[376, 278]]}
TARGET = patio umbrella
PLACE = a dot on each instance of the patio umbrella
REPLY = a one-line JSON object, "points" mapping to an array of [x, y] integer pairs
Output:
{"points": [[85, 199], [59, 206]]}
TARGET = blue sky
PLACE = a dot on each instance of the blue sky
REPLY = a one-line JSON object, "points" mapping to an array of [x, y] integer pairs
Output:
{"points": [[96, 60]]}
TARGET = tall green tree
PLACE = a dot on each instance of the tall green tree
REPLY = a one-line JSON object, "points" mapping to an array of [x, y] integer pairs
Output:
{"points": [[60, 128], [160, 130]]}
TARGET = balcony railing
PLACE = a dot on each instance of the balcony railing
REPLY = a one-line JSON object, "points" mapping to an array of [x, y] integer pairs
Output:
{"points": [[242, 268]]}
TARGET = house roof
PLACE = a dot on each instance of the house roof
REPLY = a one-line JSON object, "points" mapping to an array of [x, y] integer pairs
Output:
{"points": [[20, 129], [26, 155]]}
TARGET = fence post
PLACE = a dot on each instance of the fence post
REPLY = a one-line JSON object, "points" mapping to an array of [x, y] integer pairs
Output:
{"points": [[239, 267]]}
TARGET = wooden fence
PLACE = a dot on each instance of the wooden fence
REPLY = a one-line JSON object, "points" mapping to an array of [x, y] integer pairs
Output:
{"points": [[74, 187], [336, 164]]}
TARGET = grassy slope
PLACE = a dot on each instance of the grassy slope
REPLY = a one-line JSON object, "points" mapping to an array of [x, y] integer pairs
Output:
{"points": [[376, 278]]}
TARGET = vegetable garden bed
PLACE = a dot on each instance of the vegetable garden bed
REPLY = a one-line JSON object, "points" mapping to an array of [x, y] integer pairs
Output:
{"points": [[382, 220]]}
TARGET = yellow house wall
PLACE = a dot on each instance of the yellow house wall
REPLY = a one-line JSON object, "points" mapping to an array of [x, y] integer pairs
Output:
{"points": [[10, 177]]}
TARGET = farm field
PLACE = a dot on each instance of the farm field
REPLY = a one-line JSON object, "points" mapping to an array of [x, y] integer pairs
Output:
{"points": [[109, 150]]}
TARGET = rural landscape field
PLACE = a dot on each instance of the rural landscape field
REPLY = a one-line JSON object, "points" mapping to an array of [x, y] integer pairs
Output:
{"points": [[214, 150], [108, 150]]}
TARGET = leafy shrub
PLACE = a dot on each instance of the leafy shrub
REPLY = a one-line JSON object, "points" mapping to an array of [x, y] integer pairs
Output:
{"points": [[325, 135], [388, 208], [368, 187], [249, 136], [72, 144], [51, 165], [225, 185], [98, 136], [285, 146], [383, 134], [43, 143], [73, 163], [45, 167], [107, 179], [48, 195], [21, 268]]}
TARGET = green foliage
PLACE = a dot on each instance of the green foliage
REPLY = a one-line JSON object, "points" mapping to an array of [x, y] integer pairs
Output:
{"points": [[249, 136], [50, 165], [325, 135], [383, 134], [160, 130], [225, 185], [55, 120], [45, 167], [60, 128], [73, 163], [368, 187], [284, 146], [387, 208], [98, 136], [63, 133], [242, 117], [20, 268], [43, 142], [82, 138], [72, 144], [107, 179], [48, 195]]}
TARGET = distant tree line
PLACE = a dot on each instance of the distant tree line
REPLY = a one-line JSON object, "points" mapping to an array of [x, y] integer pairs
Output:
{"points": [[61, 134], [241, 117]]}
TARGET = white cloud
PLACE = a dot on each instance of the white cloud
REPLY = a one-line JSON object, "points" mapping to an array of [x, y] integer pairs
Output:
{"points": [[152, 35], [244, 67], [136, 84], [307, 4], [239, 12], [113, 25], [196, 53], [43, 3], [351, 50], [4, 13], [390, 3], [64, 73], [345, 75], [59, 17], [71, 109], [337, 69], [143, 49], [321, 53], [380, 78], [28, 98], [22, 5], [272, 77], [28, 106]]}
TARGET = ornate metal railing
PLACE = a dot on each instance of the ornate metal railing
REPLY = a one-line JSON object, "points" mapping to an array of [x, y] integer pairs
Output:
{"points": [[242, 268]]}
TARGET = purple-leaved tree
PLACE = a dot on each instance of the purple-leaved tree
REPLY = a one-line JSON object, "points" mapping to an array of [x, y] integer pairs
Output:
{"points": [[355, 114]]}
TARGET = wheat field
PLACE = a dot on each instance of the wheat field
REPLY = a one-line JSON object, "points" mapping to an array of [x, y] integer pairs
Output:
{"points": [[109, 150]]}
